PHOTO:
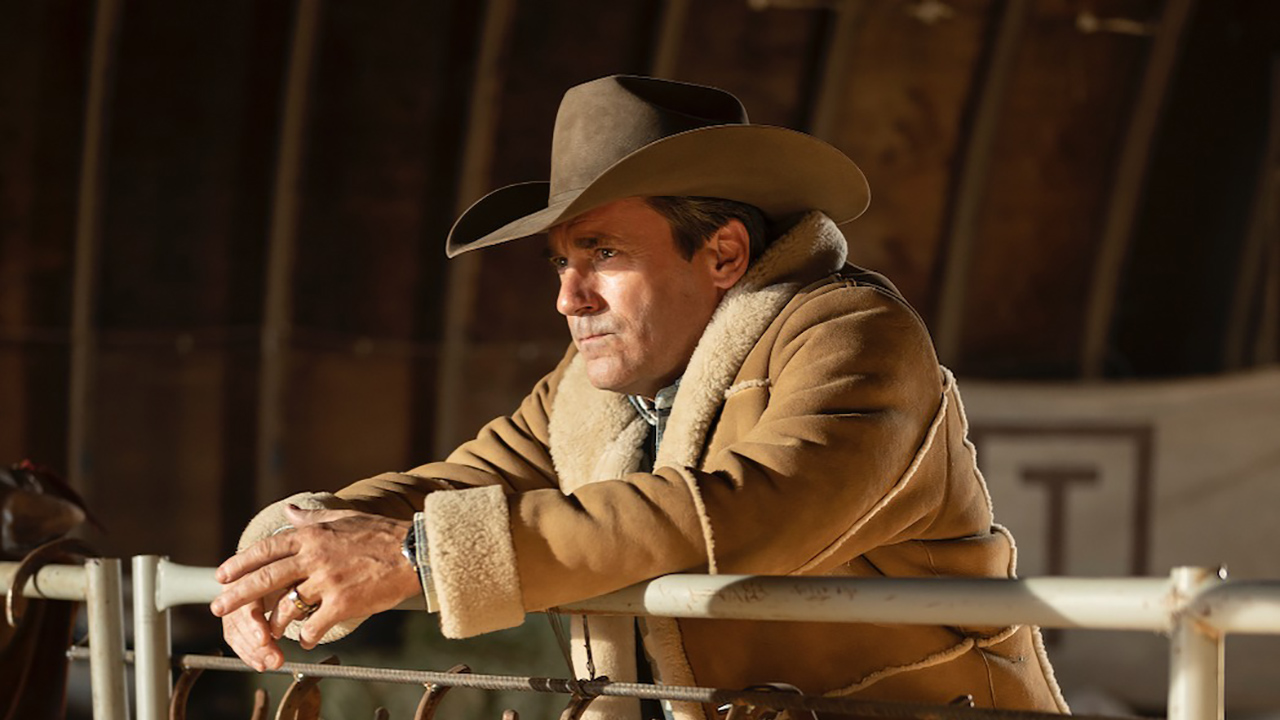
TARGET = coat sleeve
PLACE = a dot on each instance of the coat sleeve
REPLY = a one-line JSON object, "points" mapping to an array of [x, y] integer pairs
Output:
{"points": [[852, 392], [509, 453]]}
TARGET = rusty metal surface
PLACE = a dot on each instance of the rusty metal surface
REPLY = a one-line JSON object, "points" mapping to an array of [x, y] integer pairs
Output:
{"points": [[606, 688]]}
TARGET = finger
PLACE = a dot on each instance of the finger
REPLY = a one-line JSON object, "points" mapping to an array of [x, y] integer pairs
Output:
{"points": [[246, 632], [264, 552], [276, 577], [287, 611], [315, 627]]}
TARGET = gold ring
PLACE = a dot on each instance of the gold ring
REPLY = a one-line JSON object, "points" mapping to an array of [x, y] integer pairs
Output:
{"points": [[306, 608]]}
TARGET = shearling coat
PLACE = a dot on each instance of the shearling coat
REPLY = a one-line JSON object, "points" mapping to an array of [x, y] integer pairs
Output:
{"points": [[813, 433]]}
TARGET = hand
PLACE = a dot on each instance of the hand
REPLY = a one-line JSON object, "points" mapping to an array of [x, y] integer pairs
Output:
{"points": [[347, 563]]}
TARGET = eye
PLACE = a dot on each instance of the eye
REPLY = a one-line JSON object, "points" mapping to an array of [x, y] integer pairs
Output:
{"points": [[605, 253], [558, 262]]}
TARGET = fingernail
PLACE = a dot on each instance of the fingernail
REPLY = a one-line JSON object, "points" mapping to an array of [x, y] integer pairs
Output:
{"points": [[215, 607], [220, 575]]}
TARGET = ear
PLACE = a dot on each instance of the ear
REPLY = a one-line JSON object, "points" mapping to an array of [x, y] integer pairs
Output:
{"points": [[730, 248]]}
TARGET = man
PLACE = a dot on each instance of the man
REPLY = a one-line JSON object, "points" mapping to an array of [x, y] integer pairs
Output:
{"points": [[737, 399]]}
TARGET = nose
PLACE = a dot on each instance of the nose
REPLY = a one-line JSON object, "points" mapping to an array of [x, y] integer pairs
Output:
{"points": [[578, 294]]}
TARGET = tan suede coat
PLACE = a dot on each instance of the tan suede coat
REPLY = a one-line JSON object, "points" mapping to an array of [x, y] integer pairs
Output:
{"points": [[813, 433]]}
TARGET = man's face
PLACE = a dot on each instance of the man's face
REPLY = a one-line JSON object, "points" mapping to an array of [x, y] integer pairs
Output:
{"points": [[636, 307]]}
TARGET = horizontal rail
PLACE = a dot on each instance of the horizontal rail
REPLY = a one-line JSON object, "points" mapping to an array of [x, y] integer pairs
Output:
{"points": [[1122, 604], [52, 582], [1239, 606], [1095, 603]]}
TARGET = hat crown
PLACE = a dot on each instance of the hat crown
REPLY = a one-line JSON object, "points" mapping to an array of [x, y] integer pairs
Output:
{"points": [[602, 121]]}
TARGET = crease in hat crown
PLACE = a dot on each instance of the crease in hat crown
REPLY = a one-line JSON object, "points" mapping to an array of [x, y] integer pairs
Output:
{"points": [[624, 135], [605, 120]]}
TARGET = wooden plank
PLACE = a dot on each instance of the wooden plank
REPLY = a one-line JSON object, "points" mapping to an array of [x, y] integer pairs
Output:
{"points": [[1252, 275], [87, 244], [833, 81], [666, 49], [278, 297], [910, 86], [1128, 184], [1037, 234], [971, 188], [463, 272], [1267, 347]]}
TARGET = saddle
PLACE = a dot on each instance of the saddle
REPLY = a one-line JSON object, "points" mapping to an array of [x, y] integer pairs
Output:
{"points": [[37, 511]]}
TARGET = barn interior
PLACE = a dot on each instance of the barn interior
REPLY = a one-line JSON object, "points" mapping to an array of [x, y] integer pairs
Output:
{"points": [[222, 277]]}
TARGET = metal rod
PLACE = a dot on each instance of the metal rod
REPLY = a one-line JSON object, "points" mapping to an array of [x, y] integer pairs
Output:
{"points": [[971, 187], [106, 639], [463, 272], [184, 585], [606, 688], [1195, 653], [106, 26], [666, 46], [1118, 604], [277, 314], [52, 582], [1126, 191], [1239, 606], [151, 642], [1099, 603], [1103, 603]]}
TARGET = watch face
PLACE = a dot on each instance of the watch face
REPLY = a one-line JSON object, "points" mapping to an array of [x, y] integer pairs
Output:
{"points": [[410, 547]]}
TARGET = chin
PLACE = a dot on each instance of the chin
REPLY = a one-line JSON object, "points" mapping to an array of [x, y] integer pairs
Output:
{"points": [[603, 376]]}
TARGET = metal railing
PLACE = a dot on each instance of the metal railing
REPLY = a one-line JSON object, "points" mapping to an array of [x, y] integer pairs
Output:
{"points": [[1195, 607], [97, 584]]}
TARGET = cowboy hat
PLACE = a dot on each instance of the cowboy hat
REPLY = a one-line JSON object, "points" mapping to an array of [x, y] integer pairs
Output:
{"points": [[626, 136]]}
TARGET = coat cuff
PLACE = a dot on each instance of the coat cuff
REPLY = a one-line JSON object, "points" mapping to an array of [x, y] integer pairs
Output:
{"points": [[272, 520], [473, 561]]}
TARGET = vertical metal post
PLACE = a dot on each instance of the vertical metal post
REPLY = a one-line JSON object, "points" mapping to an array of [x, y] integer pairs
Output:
{"points": [[105, 601], [277, 313], [84, 338], [151, 654], [1195, 652], [463, 273]]}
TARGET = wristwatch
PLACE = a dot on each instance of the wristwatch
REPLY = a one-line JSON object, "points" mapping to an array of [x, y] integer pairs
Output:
{"points": [[409, 548]]}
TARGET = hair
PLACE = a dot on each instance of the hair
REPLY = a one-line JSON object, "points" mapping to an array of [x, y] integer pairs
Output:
{"points": [[695, 219]]}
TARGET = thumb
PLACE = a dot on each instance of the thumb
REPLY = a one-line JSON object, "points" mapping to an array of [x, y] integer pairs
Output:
{"points": [[301, 517]]}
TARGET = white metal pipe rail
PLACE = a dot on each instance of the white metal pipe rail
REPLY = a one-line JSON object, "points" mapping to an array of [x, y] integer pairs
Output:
{"points": [[1196, 607], [98, 585]]}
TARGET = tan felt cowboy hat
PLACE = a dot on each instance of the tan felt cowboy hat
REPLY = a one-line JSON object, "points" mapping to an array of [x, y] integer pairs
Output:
{"points": [[625, 136]]}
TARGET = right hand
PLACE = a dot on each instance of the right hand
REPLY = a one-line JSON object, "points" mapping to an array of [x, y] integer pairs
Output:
{"points": [[249, 634]]}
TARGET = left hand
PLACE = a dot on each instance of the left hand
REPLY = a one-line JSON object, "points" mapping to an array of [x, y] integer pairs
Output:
{"points": [[347, 562]]}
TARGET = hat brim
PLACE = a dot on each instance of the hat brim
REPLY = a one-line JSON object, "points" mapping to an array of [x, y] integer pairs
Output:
{"points": [[780, 171]]}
